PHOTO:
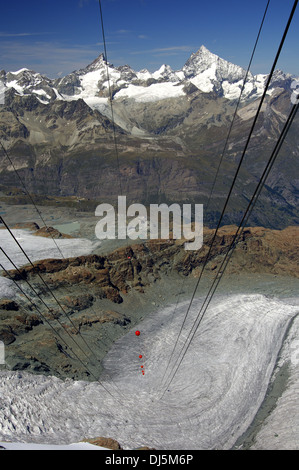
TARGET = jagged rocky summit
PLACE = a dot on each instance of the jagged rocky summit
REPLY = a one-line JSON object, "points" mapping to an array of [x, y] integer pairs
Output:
{"points": [[170, 127], [205, 70]]}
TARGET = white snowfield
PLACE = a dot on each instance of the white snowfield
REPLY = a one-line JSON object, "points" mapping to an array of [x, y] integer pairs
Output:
{"points": [[154, 92], [76, 446], [281, 428], [211, 401], [37, 248]]}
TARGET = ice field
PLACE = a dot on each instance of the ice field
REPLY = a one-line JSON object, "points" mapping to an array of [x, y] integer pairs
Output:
{"points": [[211, 401], [38, 248]]}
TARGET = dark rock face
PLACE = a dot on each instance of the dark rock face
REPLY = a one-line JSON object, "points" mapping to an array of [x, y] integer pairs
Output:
{"points": [[130, 267], [68, 85], [9, 305], [6, 336], [14, 321], [50, 232]]}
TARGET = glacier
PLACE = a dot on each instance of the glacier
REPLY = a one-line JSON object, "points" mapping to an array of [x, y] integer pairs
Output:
{"points": [[210, 403], [75, 446], [37, 248], [154, 92]]}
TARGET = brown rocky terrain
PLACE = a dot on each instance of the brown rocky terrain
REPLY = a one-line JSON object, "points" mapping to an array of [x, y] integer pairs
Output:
{"points": [[136, 266], [47, 232], [50, 232], [106, 442], [101, 293]]}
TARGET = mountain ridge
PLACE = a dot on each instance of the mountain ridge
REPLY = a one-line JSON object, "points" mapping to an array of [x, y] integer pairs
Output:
{"points": [[205, 70], [170, 128], [110, 283]]}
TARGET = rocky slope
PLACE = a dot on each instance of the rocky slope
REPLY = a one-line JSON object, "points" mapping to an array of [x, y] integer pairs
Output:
{"points": [[170, 129], [98, 296]]}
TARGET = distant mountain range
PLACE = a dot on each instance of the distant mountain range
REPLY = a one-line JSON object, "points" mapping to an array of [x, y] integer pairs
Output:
{"points": [[203, 71], [170, 129]]}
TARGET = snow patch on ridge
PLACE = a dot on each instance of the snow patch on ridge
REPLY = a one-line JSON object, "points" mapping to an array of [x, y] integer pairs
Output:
{"points": [[154, 92], [204, 80], [20, 71], [207, 71]]}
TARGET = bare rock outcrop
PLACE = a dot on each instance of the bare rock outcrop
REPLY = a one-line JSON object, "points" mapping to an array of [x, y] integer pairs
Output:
{"points": [[106, 442], [135, 267], [98, 292]]}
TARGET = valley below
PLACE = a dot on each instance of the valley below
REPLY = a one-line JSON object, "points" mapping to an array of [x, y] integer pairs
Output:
{"points": [[237, 382], [160, 137], [216, 362]]}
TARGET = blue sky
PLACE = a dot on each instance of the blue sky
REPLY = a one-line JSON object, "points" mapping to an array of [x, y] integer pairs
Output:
{"points": [[55, 37]]}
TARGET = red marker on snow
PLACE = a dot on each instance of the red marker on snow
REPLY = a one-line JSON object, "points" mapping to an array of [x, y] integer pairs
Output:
{"points": [[137, 333], [140, 357]]}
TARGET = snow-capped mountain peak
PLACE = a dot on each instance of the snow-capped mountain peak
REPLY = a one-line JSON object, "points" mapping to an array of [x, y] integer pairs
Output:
{"points": [[98, 64], [18, 72], [27, 82], [164, 72], [205, 70], [203, 61], [203, 55]]}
